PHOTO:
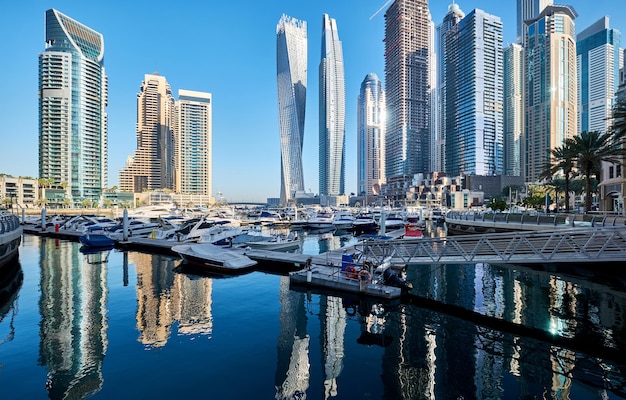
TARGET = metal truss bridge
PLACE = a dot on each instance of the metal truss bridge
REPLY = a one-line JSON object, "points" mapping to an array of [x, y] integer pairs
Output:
{"points": [[575, 245]]}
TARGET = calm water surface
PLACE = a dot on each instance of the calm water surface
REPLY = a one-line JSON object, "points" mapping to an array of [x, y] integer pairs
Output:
{"points": [[129, 325]]}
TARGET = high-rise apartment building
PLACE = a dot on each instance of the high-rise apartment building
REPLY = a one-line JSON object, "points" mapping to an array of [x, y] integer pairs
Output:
{"points": [[193, 133], [528, 10], [371, 136], [474, 96], [291, 76], [332, 117], [598, 63], [550, 92], [408, 28], [513, 109], [73, 95], [599, 58], [450, 20], [152, 166]]}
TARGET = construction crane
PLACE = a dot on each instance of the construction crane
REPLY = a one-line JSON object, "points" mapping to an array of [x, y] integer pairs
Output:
{"points": [[381, 8]]}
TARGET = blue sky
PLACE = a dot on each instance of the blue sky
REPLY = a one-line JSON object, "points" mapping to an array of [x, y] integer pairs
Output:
{"points": [[227, 48]]}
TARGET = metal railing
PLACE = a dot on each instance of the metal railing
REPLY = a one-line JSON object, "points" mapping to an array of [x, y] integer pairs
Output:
{"points": [[560, 220], [577, 245]]}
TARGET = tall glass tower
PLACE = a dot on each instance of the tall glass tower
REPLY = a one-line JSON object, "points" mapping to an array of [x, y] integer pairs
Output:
{"points": [[407, 58], [152, 166], [513, 109], [474, 91], [550, 62], [450, 21], [291, 73], [371, 136], [73, 94], [598, 63], [193, 131], [332, 116], [527, 10]]}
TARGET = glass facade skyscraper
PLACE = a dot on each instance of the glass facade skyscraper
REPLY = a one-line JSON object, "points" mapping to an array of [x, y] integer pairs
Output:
{"points": [[193, 132], [73, 95], [513, 109], [332, 117], [291, 76], [598, 64], [528, 10], [371, 136], [450, 21], [550, 91], [408, 31], [474, 91]]}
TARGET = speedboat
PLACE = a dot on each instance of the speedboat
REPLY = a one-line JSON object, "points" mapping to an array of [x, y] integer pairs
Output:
{"points": [[365, 222], [136, 228], [394, 220], [343, 219], [214, 257], [96, 238], [321, 220], [276, 242], [10, 237]]}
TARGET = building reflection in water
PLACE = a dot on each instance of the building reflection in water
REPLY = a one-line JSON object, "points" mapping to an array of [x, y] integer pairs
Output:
{"points": [[426, 353], [73, 325], [165, 297]]}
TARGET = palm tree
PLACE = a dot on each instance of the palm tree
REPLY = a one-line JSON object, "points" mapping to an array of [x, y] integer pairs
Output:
{"points": [[618, 119], [562, 160], [591, 149]]}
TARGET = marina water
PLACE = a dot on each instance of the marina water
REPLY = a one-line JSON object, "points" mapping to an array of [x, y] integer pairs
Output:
{"points": [[129, 325]]}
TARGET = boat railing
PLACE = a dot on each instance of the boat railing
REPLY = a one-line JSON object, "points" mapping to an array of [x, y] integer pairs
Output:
{"points": [[8, 223]]}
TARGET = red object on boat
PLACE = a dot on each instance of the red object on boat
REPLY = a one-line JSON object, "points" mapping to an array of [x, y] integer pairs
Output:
{"points": [[413, 230]]}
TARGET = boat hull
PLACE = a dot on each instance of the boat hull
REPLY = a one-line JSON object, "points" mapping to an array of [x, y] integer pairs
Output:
{"points": [[96, 240], [10, 239], [214, 258]]}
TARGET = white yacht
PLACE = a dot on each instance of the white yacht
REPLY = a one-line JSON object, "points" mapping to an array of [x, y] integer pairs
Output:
{"points": [[343, 220]]}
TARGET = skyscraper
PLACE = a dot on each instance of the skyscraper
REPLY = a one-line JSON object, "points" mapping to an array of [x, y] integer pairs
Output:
{"points": [[371, 136], [450, 20], [291, 74], [407, 79], [152, 166], [474, 96], [527, 10], [73, 95], [513, 109], [598, 63], [193, 132], [550, 62], [332, 115]]}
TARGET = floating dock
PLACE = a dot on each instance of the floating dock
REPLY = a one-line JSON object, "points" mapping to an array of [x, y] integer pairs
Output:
{"points": [[332, 277]]}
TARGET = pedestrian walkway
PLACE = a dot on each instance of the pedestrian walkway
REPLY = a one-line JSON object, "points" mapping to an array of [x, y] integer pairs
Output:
{"points": [[574, 245]]}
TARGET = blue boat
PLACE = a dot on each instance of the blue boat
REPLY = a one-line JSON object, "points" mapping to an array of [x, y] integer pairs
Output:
{"points": [[91, 239]]}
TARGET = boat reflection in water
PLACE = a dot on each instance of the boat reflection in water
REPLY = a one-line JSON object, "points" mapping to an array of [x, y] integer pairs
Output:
{"points": [[172, 334]]}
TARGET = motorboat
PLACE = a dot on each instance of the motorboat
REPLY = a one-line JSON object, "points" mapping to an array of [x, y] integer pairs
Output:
{"points": [[10, 237], [96, 238], [321, 220], [365, 222], [394, 220], [220, 259], [343, 220], [275, 242], [136, 228]]}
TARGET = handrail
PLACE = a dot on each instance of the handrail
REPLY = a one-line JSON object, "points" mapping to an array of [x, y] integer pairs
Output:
{"points": [[585, 245]]}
